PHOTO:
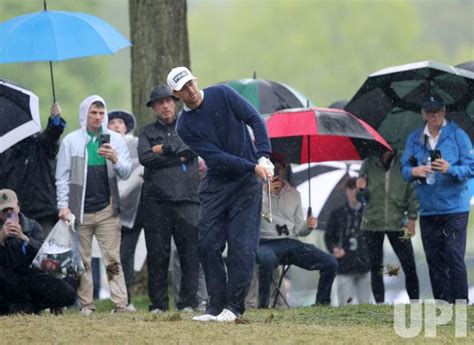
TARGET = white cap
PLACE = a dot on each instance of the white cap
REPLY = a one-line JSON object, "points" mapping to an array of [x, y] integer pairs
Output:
{"points": [[178, 77]]}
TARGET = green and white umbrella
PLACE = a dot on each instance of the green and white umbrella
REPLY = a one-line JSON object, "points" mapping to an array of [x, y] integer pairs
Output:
{"points": [[269, 96]]}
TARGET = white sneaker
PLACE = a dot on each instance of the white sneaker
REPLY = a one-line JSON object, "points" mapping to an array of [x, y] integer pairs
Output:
{"points": [[86, 312], [226, 316], [156, 311], [205, 318], [131, 308], [186, 310]]}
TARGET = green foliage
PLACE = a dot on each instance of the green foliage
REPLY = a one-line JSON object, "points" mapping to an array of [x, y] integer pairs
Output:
{"points": [[323, 48]]}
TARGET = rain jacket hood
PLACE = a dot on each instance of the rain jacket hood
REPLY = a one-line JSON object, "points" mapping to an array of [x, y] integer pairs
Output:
{"points": [[84, 110]]}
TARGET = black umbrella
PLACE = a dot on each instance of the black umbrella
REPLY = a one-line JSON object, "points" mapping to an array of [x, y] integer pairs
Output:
{"points": [[390, 99], [19, 114]]}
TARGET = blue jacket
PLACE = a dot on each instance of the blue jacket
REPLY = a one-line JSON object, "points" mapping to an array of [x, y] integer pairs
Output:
{"points": [[450, 193]]}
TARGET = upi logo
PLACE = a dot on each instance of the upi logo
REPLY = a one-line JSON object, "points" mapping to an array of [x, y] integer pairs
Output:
{"points": [[436, 312]]}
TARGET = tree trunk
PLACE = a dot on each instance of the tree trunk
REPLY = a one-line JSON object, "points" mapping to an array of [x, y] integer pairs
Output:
{"points": [[158, 30]]}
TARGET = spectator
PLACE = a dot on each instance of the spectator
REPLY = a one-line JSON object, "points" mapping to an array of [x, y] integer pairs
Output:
{"points": [[24, 289], [170, 203], [391, 202], [445, 204], [344, 240], [202, 296], [123, 122], [213, 123], [86, 181], [29, 166], [279, 244]]}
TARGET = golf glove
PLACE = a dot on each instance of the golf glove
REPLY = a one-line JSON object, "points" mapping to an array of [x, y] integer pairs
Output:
{"points": [[267, 165]]}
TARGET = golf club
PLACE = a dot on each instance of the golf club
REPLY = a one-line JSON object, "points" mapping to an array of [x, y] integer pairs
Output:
{"points": [[268, 214]]}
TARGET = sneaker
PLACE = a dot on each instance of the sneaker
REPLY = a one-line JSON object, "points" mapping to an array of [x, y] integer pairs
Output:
{"points": [[157, 311], [205, 318], [120, 309], [226, 316], [86, 312], [131, 308], [186, 310]]}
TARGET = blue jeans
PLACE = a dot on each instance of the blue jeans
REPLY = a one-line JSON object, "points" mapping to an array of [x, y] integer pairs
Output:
{"points": [[272, 253], [444, 242]]}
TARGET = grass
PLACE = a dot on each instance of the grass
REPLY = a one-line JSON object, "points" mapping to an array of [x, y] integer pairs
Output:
{"points": [[367, 324]]}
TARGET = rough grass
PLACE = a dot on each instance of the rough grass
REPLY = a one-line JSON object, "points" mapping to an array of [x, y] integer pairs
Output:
{"points": [[364, 324]]}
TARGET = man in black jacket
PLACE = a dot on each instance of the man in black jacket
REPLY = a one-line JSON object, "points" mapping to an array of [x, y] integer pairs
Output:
{"points": [[170, 203], [24, 289], [28, 168]]}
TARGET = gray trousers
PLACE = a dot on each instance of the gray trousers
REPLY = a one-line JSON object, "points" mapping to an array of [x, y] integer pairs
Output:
{"points": [[353, 288]]}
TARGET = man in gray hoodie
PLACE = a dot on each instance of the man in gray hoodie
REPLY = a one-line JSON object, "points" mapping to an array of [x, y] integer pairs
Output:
{"points": [[90, 159], [278, 240]]}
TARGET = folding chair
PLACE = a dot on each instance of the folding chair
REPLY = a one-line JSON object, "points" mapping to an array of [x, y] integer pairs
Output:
{"points": [[277, 292]]}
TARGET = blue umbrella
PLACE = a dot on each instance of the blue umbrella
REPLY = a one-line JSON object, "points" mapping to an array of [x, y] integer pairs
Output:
{"points": [[56, 36]]}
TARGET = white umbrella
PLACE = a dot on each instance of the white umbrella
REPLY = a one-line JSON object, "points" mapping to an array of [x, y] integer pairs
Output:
{"points": [[328, 179]]}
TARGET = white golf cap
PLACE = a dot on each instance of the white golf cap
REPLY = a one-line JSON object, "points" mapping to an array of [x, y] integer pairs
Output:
{"points": [[178, 77]]}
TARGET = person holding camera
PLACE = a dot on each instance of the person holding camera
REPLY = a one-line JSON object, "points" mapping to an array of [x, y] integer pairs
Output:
{"points": [[444, 202], [170, 203], [90, 160], [278, 240], [390, 212], [345, 241], [24, 289]]}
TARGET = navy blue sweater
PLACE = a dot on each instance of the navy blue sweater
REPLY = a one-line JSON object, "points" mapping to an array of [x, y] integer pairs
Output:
{"points": [[216, 131]]}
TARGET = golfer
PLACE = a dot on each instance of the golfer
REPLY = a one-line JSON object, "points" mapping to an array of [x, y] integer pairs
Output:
{"points": [[214, 124]]}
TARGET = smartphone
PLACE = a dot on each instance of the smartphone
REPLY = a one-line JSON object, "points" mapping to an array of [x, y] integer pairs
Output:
{"points": [[12, 216], [435, 154], [104, 138]]}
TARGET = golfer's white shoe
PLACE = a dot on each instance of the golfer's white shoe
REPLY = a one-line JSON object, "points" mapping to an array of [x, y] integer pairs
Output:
{"points": [[226, 316], [205, 318]]}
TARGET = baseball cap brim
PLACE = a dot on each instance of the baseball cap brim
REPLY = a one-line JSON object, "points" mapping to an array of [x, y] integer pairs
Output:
{"points": [[11, 204], [432, 107]]}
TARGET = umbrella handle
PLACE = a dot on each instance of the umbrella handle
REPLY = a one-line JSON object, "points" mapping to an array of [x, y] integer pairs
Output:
{"points": [[310, 214]]}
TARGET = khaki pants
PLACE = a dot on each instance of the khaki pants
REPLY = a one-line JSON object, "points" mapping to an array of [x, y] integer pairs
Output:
{"points": [[106, 229]]}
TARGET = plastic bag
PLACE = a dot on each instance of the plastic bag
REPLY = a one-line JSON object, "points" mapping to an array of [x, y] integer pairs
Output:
{"points": [[59, 253]]}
